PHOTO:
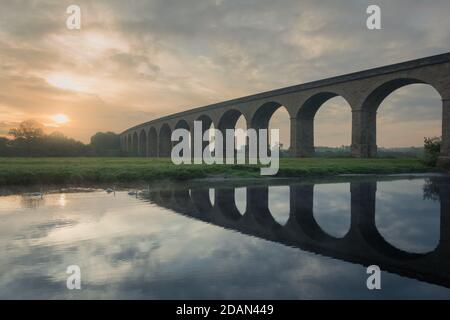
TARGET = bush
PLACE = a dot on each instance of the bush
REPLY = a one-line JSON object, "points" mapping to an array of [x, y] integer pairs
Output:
{"points": [[432, 149]]}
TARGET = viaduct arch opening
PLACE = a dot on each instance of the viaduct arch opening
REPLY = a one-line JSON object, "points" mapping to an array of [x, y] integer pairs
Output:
{"points": [[233, 119], [182, 124], [273, 115], [305, 126], [135, 147], [207, 124], [407, 115], [152, 142], [129, 144], [142, 151], [373, 102], [165, 143]]}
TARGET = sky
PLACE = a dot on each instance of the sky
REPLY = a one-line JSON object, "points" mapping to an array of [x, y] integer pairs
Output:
{"points": [[134, 61]]}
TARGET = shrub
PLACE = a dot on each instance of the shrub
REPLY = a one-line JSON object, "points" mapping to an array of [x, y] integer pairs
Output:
{"points": [[432, 148]]}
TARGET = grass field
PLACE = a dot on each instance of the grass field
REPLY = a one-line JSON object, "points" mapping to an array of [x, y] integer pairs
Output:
{"points": [[28, 171]]}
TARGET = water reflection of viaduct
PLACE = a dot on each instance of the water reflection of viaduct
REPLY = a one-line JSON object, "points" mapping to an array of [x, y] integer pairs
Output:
{"points": [[364, 91], [363, 244]]}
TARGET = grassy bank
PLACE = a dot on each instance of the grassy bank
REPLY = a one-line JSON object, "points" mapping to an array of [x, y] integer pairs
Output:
{"points": [[27, 171]]}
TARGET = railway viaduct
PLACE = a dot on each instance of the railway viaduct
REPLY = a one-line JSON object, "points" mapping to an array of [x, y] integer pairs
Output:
{"points": [[364, 91]]}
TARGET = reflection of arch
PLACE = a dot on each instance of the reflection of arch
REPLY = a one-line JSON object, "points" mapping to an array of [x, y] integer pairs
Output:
{"points": [[166, 197], [226, 204], [142, 151], [258, 206], [165, 143], [277, 199], [152, 142], [363, 219], [331, 208], [134, 149], [368, 136], [363, 244], [304, 139], [302, 204], [201, 201], [182, 200], [442, 189]]}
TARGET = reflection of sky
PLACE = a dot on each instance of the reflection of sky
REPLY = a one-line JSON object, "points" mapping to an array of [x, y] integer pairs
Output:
{"points": [[240, 198], [279, 203], [403, 219], [128, 248], [332, 208]]}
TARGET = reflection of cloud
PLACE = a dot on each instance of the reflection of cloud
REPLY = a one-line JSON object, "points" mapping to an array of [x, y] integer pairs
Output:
{"points": [[412, 228], [128, 248], [332, 208]]}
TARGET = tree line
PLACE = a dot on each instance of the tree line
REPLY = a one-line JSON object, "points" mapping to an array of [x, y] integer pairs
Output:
{"points": [[28, 139]]}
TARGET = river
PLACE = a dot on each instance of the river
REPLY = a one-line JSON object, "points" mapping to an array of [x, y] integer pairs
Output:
{"points": [[274, 239]]}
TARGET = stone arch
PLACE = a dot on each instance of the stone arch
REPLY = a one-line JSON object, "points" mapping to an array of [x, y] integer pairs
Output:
{"points": [[363, 210], [228, 120], [364, 131], [377, 95], [207, 122], [262, 116], [152, 146], [165, 143], [135, 147], [302, 212], [226, 204], [303, 132], [142, 150], [201, 201], [182, 124], [129, 143], [258, 207]]}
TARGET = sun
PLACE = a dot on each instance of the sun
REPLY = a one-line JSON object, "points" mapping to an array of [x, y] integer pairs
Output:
{"points": [[60, 118]]}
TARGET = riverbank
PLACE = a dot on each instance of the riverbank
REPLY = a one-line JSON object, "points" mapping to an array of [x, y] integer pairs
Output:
{"points": [[29, 171]]}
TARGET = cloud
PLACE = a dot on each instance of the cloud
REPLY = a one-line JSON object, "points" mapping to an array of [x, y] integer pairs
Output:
{"points": [[146, 59]]}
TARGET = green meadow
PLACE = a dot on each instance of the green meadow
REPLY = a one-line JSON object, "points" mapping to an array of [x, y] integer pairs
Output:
{"points": [[29, 171]]}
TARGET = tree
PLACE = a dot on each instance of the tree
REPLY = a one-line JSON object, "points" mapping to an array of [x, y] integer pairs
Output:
{"points": [[106, 143], [4, 146], [28, 135], [432, 149]]}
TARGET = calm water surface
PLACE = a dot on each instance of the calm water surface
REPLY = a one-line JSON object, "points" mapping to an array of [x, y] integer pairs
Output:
{"points": [[283, 240]]}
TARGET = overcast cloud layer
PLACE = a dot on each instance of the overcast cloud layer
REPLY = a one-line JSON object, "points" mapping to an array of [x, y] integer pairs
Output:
{"points": [[133, 61]]}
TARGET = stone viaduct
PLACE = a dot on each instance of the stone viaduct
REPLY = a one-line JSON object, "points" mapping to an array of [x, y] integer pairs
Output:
{"points": [[362, 244], [364, 91]]}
